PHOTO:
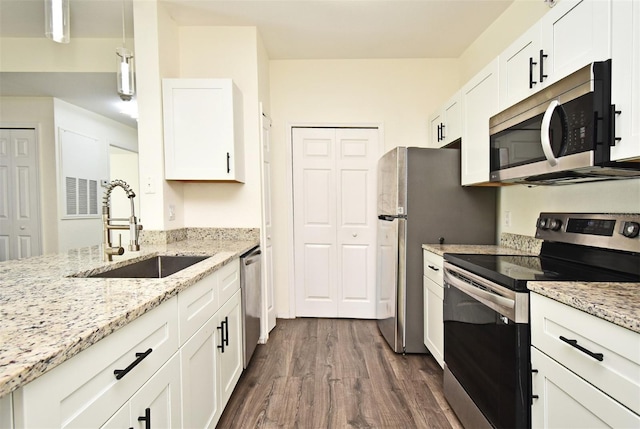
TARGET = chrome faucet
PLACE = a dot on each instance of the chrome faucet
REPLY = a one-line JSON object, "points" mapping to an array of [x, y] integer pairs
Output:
{"points": [[133, 227]]}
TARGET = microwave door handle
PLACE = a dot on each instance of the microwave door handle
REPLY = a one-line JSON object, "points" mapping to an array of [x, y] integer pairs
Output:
{"points": [[544, 133]]}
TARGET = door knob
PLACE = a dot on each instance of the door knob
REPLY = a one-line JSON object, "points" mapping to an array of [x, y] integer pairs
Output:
{"points": [[22, 228], [354, 234]]}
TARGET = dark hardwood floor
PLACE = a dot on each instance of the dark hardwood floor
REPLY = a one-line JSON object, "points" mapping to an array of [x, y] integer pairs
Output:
{"points": [[336, 373]]}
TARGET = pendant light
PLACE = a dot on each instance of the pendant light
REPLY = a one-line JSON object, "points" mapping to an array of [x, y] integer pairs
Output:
{"points": [[56, 20], [125, 76]]}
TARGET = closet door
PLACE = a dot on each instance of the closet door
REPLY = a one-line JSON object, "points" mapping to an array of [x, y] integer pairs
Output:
{"points": [[334, 187]]}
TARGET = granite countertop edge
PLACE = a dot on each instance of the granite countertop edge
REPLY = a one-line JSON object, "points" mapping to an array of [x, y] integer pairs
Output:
{"points": [[81, 311]]}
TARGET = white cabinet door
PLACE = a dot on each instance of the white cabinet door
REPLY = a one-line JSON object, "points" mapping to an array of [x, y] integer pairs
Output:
{"points": [[574, 33], [6, 412], [433, 323], [520, 68], [200, 384], [433, 296], [480, 101], [625, 79], [566, 401], [203, 130], [159, 402], [229, 322], [121, 419], [446, 123], [435, 126]]}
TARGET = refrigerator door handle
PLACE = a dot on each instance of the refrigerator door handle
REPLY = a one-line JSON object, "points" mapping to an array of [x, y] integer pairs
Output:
{"points": [[391, 218]]}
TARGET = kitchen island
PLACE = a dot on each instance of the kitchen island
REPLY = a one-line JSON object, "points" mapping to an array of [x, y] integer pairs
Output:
{"points": [[49, 315]]}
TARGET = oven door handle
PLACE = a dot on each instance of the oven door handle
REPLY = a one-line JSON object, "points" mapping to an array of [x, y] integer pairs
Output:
{"points": [[480, 293]]}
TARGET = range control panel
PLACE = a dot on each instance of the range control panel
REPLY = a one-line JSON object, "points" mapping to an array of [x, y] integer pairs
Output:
{"points": [[619, 231]]}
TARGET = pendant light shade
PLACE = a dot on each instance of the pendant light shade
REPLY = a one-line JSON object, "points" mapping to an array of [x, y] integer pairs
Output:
{"points": [[56, 20], [125, 76]]}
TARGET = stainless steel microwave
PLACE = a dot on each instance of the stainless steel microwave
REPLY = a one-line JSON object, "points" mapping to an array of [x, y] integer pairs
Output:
{"points": [[560, 135]]}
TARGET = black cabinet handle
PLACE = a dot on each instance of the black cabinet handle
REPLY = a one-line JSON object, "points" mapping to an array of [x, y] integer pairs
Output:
{"points": [[542, 57], [228, 163], [226, 331], [442, 131], [439, 125], [574, 343], [531, 64], [146, 418], [433, 268], [222, 341], [613, 113], [119, 373]]}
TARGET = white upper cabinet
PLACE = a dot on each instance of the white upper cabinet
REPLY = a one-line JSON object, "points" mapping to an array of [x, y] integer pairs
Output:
{"points": [[519, 68], [203, 130], [480, 101], [445, 125], [574, 33], [571, 35], [625, 79]]}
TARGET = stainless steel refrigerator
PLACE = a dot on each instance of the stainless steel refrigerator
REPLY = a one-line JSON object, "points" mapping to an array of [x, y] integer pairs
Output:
{"points": [[421, 201]]}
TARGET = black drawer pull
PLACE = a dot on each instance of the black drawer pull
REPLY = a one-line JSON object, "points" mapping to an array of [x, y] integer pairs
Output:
{"points": [[119, 373], [433, 268], [574, 343], [146, 418]]}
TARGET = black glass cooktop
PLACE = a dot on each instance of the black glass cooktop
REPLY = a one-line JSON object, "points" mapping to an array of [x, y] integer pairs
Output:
{"points": [[515, 271]]}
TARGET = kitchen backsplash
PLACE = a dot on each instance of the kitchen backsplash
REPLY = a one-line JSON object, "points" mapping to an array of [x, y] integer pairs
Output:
{"points": [[175, 235], [521, 242]]}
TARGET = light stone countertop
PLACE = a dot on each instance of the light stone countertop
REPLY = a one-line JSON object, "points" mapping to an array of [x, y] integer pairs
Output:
{"points": [[48, 317], [618, 303], [480, 249]]}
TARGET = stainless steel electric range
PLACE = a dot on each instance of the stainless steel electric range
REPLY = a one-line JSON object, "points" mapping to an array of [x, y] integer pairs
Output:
{"points": [[487, 374]]}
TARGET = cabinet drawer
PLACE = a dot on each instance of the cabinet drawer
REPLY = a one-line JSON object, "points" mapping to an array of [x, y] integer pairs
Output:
{"points": [[196, 305], [84, 390], [618, 374], [567, 401], [228, 280], [433, 266]]}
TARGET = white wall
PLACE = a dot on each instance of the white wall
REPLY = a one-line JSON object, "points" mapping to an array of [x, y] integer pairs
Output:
{"points": [[75, 233], [226, 52], [38, 111], [398, 94]]}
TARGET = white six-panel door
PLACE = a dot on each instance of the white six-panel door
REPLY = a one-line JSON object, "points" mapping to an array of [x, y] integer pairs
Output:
{"points": [[266, 231], [19, 195], [334, 187]]}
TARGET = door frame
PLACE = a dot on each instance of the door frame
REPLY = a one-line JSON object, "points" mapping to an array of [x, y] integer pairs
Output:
{"points": [[289, 176], [36, 127]]}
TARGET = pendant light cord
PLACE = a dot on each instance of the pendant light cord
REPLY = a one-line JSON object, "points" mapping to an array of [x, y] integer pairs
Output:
{"points": [[123, 34]]}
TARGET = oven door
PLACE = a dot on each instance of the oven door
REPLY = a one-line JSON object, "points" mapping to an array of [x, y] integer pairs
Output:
{"points": [[485, 350]]}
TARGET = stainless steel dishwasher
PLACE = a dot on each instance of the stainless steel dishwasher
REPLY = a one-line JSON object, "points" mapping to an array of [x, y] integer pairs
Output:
{"points": [[251, 285]]}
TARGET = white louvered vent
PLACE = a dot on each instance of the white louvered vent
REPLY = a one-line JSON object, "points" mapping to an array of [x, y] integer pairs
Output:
{"points": [[93, 197], [71, 193], [81, 196]]}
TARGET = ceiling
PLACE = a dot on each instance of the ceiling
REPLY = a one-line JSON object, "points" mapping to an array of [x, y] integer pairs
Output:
{"points": [[290, 29]]}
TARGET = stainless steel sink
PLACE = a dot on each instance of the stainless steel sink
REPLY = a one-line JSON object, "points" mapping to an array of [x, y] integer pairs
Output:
{"points": [[152, 268]]}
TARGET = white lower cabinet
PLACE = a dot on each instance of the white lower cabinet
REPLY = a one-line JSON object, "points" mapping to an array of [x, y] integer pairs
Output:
{"points": [[568, 401], [433, 295], [586, 371], [85, 391], [212, 365], [6, 412], [177, 364], [157, 405]]}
